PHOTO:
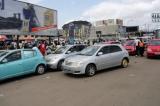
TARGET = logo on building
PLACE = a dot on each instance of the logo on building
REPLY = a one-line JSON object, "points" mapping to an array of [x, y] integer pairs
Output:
{"points": [[155, 17]]}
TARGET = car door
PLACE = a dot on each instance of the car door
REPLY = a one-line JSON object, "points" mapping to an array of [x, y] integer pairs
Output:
{"points": [[30, 60], [116, 54], [12, 65], [103, 61]]}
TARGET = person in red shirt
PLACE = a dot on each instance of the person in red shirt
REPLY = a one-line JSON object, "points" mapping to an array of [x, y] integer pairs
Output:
{"points": [[42, 48]]}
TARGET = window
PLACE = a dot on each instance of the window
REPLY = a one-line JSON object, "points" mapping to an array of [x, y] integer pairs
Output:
{"points": [[73, 49], [114, 49], [14, 56], [28, 53], [105, 50], [80, 47]]}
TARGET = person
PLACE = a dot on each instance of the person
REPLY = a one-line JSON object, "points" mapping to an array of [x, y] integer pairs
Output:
{"points": [[137, 46], [141, 47], [42, 48]]}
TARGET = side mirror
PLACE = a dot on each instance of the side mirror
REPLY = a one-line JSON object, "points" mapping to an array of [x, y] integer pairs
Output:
{"points": [[4, 61], [100, 53], [68, 52]]}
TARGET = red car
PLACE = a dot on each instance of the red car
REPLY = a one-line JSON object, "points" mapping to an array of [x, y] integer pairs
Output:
{"points": [[153, 48], [130, 47]]}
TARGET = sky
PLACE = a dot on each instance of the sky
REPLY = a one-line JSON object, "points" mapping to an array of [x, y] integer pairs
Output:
{"points": [[133, 12]]}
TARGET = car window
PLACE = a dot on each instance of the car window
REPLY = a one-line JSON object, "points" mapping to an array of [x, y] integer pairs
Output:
{"points": [[114, 49], [80, 47], [73, 49], [29, 53], [13, 56], [105, 50]]}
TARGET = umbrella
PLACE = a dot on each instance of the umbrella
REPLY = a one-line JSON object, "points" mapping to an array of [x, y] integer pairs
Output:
{"points": [[3, 38]]}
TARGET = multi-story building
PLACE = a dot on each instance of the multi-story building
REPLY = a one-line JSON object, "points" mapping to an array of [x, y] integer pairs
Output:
{"points": [[77, 30], [107, 29]]}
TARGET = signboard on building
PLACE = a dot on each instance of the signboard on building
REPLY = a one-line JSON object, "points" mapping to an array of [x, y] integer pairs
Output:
{"points": [[21, 18], [155, 17]]}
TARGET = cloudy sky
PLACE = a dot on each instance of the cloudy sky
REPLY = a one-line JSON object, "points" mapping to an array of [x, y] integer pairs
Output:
{"points": [[133, 12]]}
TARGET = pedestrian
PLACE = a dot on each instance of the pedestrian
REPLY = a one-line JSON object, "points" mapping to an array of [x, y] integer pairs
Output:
{"points": [[141, 47], [42, 48], [137, 47]]}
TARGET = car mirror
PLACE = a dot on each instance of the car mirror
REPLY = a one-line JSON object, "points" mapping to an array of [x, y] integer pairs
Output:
{"points": [[4, 61], [100, 53], [68, 52]]}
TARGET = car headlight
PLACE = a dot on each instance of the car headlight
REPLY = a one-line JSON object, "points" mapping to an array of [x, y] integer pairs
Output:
{"points": [[149, 49], [77, 64]]}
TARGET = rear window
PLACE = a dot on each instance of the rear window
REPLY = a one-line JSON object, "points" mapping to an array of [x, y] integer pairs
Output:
{"points": [[130, 43], [155, 42]]}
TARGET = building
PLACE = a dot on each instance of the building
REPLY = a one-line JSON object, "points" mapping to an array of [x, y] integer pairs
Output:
{"points": [[77, 30], [107, 29]]}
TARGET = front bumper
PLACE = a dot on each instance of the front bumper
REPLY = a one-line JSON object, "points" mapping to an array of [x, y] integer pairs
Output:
{"points": [[153, 54], [52, 65], [73, 70]]}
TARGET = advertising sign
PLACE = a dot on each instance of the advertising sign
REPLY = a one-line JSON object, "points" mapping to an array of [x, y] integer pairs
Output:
{"points": [[23, 18], [155, 17]]}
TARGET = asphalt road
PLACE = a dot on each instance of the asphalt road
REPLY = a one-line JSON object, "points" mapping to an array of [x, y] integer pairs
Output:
{"points": [[137, 85]]}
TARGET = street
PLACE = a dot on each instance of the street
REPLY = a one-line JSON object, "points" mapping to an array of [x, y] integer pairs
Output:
{"points": [[137, 85]]}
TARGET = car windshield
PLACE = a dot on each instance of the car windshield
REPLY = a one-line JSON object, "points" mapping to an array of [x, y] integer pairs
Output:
{"points": [[130, 43], [155, 42], [89, 51], [61, 50], [2, 53]]}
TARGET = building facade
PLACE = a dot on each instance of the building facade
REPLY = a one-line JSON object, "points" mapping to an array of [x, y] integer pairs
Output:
{"points": [[107, 29]]}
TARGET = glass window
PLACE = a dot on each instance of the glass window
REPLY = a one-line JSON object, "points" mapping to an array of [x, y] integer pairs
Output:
{"points": [[80, 47], [155, 42], [14, 56], [89, 51], [73, 49], [28, 53], [114, 49], [105, 50]]}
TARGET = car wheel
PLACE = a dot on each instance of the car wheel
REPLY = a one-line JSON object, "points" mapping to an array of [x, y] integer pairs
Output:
{"points": [[90, 70], [124, 63], [59, 66], [40, 69]]}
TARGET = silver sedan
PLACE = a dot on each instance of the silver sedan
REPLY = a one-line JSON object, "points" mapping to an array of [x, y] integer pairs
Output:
{"points": [[96, 57], [55, 60]]}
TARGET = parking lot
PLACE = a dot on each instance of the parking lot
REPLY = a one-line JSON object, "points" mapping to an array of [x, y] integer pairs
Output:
{"points": [[137, 85]]}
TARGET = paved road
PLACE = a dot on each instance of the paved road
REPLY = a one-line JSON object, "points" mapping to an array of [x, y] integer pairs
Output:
{"points": [[137, 85]]}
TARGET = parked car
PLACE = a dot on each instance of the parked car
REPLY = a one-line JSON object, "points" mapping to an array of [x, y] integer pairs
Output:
{"points": [[153, 48], [55, 60], [19, 62], [112, 42], [95, 58], [130, 46]]}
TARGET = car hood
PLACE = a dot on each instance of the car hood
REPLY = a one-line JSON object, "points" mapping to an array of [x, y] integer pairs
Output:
{"points": [[53, 56], [78, 58], [154, 48]]}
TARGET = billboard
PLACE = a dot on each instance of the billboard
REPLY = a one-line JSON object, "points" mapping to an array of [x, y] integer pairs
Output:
{"points": [[21, 18]]}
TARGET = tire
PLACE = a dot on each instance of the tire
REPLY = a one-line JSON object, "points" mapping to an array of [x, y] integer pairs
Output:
{"points": [[40, 69], [59, 66], [124, 63], [90, 70]]}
